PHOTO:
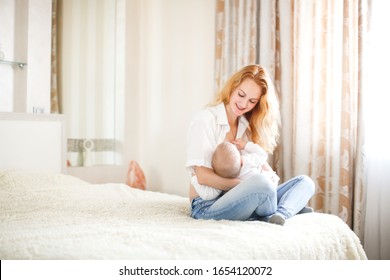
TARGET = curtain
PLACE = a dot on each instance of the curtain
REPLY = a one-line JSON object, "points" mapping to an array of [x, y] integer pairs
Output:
{"points": [[54, 94], [236, 29], [314, 52], [89, 80]]}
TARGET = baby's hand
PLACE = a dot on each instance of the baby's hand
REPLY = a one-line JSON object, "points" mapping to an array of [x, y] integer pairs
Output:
{"points": [[240, 143]]}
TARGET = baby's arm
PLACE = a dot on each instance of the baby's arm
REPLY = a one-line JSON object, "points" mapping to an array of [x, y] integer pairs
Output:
{"points": [[205, 192]]}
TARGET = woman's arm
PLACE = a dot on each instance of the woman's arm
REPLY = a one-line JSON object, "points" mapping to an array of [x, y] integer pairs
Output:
{"points": [[205, 192], [207, 176]]}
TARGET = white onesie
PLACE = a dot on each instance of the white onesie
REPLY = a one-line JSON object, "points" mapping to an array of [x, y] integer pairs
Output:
{"points": [[253, 158]]}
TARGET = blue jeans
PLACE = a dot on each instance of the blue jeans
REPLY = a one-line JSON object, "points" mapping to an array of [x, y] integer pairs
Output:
{"points": [[256, 198]]}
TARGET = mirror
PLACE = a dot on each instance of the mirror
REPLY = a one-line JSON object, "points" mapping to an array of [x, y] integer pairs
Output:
{"points": [[163, 69], [87, 33]]}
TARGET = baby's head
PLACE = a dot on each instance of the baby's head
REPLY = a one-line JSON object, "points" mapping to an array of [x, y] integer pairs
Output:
{"points": [[226, 160]]}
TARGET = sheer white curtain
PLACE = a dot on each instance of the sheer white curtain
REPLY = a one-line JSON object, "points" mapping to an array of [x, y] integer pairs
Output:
{"points": [[87, 76], [377, 116]]}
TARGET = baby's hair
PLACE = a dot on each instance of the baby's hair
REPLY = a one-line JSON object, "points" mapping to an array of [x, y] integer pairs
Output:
{"points": [[226, 160]]}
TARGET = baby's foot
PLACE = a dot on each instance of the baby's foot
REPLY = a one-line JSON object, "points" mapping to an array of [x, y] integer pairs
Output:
{"points": [[277, 219]]}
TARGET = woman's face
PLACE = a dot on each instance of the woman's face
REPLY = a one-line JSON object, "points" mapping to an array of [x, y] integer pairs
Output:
{"points": [[244, 98]]}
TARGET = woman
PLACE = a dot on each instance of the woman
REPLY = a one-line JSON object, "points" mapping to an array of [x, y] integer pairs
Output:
{"points": [[246, 108]]}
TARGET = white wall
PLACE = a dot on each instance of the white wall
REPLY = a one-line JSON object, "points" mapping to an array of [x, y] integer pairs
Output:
{"points": [[170, 72], [39, 55], [25, 36], [13, 43], [166, 75]]}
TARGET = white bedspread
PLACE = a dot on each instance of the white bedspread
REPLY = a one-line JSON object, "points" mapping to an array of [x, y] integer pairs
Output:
{"points": [[54, 216]]}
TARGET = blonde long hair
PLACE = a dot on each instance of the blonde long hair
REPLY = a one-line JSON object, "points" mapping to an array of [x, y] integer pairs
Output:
{"points": [[264, 118]]}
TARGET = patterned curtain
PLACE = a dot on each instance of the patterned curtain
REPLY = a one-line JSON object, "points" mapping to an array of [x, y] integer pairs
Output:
{"points": [[54, 95], [236, 29], [317, 54], [313, 51]]}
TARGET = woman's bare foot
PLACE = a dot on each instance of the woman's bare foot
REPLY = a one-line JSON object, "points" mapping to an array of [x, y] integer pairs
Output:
{"points": [[135, 176]]}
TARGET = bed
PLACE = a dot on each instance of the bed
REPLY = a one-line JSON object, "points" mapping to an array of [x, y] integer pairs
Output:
{"points": [[48, 215]]}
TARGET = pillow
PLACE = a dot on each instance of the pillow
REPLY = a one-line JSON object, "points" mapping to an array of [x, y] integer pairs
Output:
{"points": [[15, 178]]}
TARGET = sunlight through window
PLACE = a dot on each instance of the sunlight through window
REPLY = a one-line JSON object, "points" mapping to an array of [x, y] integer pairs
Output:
{"points": [[377, 95]]}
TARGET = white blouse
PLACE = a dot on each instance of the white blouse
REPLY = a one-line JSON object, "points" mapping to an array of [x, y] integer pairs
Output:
{"points": [[207, 129]]}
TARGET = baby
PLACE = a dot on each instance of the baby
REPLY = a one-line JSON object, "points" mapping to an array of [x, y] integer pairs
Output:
{"points": [[228, 162]]}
